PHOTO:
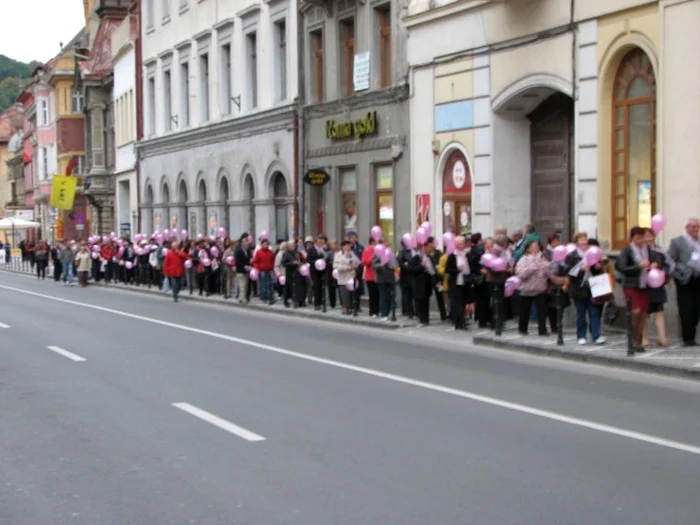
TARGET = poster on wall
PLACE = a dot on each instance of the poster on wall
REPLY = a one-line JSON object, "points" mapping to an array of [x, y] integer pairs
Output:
{"points": [[644, 203], [173, 222], [213, 221], [157, 220], [422, 208]]}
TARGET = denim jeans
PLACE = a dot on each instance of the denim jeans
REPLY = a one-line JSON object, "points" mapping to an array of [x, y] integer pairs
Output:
{"points": [[175, 285], [593, 311], [265, 283], [68, 271]]}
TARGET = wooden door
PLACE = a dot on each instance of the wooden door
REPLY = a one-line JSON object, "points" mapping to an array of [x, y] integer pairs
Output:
{"points": [[551, 143]]}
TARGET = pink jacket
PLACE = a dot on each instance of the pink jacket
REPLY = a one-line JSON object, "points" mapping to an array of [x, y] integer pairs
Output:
{"points": [[534, 271]]}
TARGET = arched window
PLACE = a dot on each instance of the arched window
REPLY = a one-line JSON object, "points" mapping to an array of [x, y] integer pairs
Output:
{"points": [[166, 194], [634, 146], [279, 188], [457, 194], [223, 199]]}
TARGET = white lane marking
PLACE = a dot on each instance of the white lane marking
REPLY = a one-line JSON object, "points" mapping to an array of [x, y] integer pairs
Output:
{"points": [[3, 325], [66, 353], [219, 422], [525, 409]]}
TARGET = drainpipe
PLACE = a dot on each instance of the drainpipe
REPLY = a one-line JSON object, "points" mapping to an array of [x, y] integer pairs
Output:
{"points": [[300, 135], [135, 10], [295, 128]]}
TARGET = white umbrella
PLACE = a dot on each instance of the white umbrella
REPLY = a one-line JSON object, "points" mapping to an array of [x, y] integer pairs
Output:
{"points": [[17, 223]]}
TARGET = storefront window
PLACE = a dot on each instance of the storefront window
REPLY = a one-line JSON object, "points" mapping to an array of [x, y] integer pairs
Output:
{"points": [[634, 146], [457, 195], [348, 200], [384, 191]]}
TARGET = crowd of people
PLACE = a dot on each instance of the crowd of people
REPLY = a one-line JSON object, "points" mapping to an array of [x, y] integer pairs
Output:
{"points": [[326, 274]]}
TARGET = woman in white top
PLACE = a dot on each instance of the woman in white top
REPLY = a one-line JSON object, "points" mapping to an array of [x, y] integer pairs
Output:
{"points": [[346, 262]]}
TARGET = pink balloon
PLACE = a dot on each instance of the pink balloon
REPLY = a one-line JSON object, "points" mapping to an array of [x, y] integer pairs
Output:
{"points": [[214, 252], [376, 233], [166, 234], [499, 264], [379, 250], [230, 260], [407, 240], [188, 263], [320, 265], [350, 285], [656, 278], [206, 262], [200, 236], [451, 246], [159, 238], [264, 236], [95, 255], [129, 265], [559, 254], [184, 234], [95, 248], [487, 260], [153, 247], [386, 256], [120, 243], [593, 256], [222, 233], [165, 252], [304, 270], [212, 238], [282, 279], [250, 239], [421, 236], [571, 247], [335, 274], [112, 235], [254, 274], [427, 228], [512, 285], [658, 223]]}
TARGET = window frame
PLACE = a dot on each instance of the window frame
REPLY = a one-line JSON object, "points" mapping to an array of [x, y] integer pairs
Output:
{"points": [[252, 63], [204, 102], [348, 46], [389, 239], [384, 30], [167, 100], [77, 103], [225, 84], [639, 69], [151, 94], [185, 92], [281, 50], [346, 170], [318, 70]]}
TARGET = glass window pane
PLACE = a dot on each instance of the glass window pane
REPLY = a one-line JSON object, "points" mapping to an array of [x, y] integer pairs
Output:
{"points": [[619, 207], [448, 222], [639, 87], [384, 176], [464, 217], [348, 180], [620, 185], [639, 157], [619, 162], [385, 216], [619, 138], [620, 231], [349, 213], [619, 116]]}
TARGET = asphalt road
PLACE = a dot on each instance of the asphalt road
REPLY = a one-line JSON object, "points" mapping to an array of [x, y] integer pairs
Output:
{"points": [[119, 409]]}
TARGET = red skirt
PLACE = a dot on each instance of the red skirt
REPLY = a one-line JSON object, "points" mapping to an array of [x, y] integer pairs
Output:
{"points": [[639, 298]]}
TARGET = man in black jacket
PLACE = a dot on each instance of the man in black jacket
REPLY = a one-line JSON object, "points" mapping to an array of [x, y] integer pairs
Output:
{"points": [[435, 256], [243, 258], [318, 252]]}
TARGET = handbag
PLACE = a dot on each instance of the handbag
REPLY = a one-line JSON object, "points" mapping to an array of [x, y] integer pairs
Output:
{"points": [[602, 287]]}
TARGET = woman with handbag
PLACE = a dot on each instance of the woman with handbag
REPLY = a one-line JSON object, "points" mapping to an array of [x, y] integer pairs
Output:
{"points": [[588, 313], [657, 296], [534, 271]]}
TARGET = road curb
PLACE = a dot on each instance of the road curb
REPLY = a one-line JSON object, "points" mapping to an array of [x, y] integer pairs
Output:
{"points": [[626, 363], [290, 312]]}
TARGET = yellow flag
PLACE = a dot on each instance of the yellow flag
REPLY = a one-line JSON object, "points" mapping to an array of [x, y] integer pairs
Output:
{"points": [[63, 192]]}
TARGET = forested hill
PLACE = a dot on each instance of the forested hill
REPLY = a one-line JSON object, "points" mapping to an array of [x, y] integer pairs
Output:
{"points": [[13, 75]]}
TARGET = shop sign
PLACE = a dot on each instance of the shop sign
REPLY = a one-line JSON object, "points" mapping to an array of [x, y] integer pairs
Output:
{"points": [[317, 177], [352, 130]]}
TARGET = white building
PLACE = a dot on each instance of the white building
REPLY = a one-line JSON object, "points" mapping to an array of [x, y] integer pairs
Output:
{"points": [[219, 83], [124, 104]]}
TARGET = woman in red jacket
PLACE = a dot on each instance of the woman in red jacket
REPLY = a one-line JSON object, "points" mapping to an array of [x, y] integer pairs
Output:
{"points": [[107, 254], [370, 278], [174, 268]]}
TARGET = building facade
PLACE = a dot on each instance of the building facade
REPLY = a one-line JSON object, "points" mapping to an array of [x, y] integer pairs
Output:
{"points": [[97, 84], [571, 115], [70, 137], [124, 104], [356, 124], [219, 84]]}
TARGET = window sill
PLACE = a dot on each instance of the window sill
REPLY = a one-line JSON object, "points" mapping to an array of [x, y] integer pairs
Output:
{"points": [[166, 20], [150, 29], [183, 9]]}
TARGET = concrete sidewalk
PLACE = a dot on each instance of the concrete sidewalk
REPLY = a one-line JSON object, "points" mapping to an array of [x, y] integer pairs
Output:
{"points": [[675, 360]]}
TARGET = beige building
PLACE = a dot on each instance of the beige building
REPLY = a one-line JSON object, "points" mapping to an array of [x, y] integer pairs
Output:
{"points": [[576, 114]]}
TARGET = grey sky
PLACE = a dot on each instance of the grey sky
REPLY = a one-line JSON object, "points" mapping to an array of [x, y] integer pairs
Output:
{"points": [[33, 29]]}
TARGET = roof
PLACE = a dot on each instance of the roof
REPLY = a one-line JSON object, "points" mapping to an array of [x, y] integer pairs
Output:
{"points": [[100, 61]]}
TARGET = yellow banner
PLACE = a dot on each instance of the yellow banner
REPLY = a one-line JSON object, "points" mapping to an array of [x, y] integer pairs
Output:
{"points": [[63, 192]]}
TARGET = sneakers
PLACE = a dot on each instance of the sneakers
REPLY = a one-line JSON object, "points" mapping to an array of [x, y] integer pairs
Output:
{"points": [[600, 341], [582, 341]]}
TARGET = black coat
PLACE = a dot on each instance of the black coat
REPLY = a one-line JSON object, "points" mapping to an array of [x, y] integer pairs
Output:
{"points": [[421, 280], [628, 268], [243, 258]]}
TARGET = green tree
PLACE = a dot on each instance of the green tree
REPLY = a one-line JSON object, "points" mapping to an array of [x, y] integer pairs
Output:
{"points": [[13, 75]]}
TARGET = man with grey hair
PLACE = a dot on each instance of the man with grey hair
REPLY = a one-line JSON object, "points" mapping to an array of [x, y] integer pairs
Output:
{"points": [[685, 252]]}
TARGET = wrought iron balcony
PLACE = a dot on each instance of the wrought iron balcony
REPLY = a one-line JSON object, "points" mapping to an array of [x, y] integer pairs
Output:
{"points": [[112, 6]]}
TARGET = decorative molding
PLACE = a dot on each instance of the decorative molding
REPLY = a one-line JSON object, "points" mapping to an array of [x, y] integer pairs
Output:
{"points": [[359, 146], [531, 81]]}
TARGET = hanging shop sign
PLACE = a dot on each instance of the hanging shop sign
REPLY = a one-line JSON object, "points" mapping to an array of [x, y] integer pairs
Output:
{"points": [[317, 177], [352, 129]]}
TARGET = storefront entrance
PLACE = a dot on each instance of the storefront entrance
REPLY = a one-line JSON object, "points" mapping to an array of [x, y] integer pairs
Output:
{"points": [[551, 147], [457, 195]]}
